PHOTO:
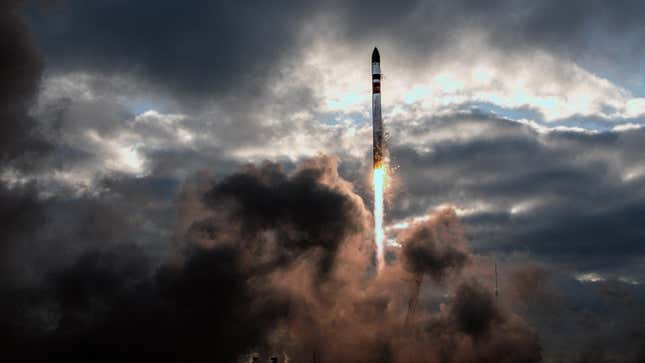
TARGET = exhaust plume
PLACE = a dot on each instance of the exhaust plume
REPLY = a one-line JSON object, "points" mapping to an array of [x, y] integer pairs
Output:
{"points": [[278, 264]]}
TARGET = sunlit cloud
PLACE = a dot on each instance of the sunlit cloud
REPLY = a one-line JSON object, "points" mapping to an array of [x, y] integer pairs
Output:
{"points": [[556, 89], [590, 277]]}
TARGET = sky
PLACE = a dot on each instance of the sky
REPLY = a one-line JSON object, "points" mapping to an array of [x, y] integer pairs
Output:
{"points": [[128, 126]]}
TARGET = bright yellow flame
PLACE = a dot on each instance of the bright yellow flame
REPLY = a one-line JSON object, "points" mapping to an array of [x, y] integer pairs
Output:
{"points": [[379, 233]]}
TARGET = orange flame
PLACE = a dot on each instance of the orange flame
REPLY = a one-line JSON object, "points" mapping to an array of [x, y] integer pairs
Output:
{"points": [[378, 181]]}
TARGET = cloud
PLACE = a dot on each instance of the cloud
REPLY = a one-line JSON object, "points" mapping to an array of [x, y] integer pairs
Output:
{"points": [[134, 124], [20, 214], [307, 65], [512, 25], [563, 194], [194, 52], [20, 70]]}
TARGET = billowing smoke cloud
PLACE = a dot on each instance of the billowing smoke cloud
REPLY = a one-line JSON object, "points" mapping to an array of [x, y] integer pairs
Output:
{"points": [[435, 247], [107, 308], [214, 302], [311, 209], [474, 309], [531, 285], [279, 263]]}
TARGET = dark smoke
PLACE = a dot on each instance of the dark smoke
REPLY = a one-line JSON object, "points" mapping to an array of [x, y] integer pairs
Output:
{"points": [[300, 212], [435, 247], [105, 308], [474, 329], [474, 309], [531, 287], [212, 306], [279, 263]]}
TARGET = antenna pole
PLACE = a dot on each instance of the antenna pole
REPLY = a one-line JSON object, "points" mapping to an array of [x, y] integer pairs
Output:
{"points": [[414, 298], [496, 285]]}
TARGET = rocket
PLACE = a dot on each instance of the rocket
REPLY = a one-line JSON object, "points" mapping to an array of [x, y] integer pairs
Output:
{"points": [[377, 120]]}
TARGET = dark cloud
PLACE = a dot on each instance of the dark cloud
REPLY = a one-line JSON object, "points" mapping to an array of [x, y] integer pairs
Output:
{"points": [[231, 52], [560, 307], [562, 195], [198, 52], [20, 70], [43, 232], [581, 30], [568, 199], [21, 213]]}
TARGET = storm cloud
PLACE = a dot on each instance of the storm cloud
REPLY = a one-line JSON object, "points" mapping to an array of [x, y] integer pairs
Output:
{"points": [[562, 194], [21, 69], [196, 52]]}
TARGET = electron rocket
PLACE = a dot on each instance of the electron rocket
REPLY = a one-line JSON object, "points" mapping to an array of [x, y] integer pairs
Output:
{"points": [[377, 120]]}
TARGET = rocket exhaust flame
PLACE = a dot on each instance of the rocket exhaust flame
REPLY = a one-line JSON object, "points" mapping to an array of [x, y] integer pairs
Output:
{"points": [[379, 167], [379, 233]]}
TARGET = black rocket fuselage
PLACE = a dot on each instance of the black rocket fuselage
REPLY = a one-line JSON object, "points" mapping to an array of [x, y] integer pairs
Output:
{"points": [[377, 120]]}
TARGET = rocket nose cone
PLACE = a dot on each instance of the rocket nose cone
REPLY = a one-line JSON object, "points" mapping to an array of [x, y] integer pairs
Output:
{"points": [[376, 57]]}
